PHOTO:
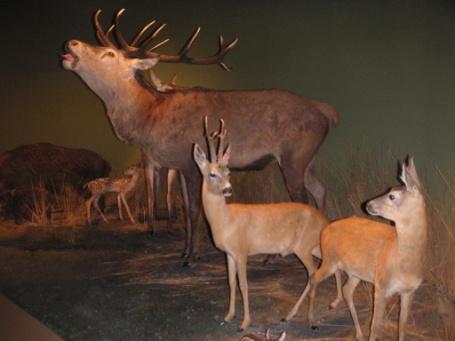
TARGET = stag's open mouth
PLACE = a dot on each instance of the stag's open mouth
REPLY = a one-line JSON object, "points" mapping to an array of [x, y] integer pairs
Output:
{"points": [[69, 59]]}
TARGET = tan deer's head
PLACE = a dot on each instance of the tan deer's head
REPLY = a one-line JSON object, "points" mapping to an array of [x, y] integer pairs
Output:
{"points": [[401, 200], [215, 172]]}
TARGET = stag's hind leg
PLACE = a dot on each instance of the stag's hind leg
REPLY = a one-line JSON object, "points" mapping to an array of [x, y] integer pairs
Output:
{"points": [[297, 170]]}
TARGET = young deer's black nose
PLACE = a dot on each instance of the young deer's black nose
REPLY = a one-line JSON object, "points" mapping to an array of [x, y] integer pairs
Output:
{"points": [[227, 191]]}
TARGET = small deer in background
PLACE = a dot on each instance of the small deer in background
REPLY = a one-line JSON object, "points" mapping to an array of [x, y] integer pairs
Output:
{"points": [[253, 337], [241, 230], [121, 186], [389, 257]]}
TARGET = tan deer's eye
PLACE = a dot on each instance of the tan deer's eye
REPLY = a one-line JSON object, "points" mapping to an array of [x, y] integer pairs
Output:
{"points": [[391, 197]]}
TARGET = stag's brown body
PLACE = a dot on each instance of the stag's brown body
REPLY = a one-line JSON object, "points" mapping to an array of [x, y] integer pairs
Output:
{"points": [[265, 125]]}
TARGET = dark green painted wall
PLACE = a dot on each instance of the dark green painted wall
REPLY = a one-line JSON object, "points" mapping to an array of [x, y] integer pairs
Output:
{"points": [[388, 66]]}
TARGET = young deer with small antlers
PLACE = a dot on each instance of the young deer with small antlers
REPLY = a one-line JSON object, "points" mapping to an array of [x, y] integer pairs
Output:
{"points": [[390, 258], [121, 186], [241, 230]]}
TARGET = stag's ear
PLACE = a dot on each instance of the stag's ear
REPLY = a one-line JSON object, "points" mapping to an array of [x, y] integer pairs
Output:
{"points": [[144, 64], [200, 158], [225, 158]]}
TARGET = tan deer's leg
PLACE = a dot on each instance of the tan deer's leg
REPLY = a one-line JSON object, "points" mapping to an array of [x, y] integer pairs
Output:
{"points": [[405, 304], [322, 273], [243, 284], [232, 273], [378, 311], [95, 203], [348, 291], [339, 297], [307, 260], [122, 196], [186, 208], [119, 206]]}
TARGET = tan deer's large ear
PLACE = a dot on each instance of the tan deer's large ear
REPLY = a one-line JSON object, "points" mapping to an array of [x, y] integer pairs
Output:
{"points": [[200, 158], [409, 175]]}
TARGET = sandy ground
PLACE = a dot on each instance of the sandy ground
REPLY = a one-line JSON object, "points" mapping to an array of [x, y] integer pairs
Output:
{"points": [[116, 282]]}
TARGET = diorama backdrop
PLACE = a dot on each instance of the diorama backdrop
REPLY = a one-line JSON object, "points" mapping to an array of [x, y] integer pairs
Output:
{"points": [[387, 66]]}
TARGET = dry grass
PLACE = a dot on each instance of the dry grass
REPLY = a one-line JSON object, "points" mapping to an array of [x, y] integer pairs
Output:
{"points": [[63, 209], [369, 174]]}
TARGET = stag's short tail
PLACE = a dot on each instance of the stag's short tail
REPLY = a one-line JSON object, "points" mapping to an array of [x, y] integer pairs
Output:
{"points": [[328, 111]]}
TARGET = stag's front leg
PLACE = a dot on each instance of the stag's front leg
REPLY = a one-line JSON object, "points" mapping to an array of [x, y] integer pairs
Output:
{"points": [[186, 207], [149, 172], [193, 181], [232, 273]]}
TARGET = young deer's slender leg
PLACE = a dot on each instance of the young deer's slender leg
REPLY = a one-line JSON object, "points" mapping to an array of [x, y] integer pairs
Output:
{"points": [[122, 196], [119, 205], [378, 311], [232, 277], [95, 203], [339, 297], [348, 292], [243, 284], [322, 273], [406, 300], [88, 206]]}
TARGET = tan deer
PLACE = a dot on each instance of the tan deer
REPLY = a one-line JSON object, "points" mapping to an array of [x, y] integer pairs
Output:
{"points": [[267, 337], [165, 124], [121, 186], [389, 257], [241, 230]]}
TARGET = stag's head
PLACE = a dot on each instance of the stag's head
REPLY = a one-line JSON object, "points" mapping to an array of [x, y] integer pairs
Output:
{"points": [[116, 59], [215, 172], [399, 202]]}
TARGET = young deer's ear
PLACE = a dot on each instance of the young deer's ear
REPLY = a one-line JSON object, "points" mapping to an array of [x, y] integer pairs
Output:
{"points": [[409, 175], [200, 158], [144, 64], [225, 158]]}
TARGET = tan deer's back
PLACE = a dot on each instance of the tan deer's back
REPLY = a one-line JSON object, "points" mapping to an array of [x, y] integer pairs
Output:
{"points": [[357, 245], [277, 228]]}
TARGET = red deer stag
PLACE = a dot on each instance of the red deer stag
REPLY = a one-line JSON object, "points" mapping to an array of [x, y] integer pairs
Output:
{"points": [[266, 124]]}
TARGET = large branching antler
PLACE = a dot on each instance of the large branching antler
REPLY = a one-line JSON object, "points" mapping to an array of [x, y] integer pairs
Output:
{"points": [[139, 46]]}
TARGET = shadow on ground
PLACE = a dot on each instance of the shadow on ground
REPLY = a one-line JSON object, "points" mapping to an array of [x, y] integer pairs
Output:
{"points": [[116, 282]]}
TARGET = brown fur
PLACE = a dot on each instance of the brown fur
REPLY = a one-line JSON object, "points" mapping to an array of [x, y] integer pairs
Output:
{"points": [[266, 124]]}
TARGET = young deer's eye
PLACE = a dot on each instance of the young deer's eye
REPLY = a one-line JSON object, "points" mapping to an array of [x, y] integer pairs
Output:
{"points": [[213, 175], [391, 197]]}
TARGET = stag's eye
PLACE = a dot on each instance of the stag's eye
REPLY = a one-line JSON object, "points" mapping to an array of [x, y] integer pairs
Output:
{"points": [[108, 54], [213, 175], [391, 197]]}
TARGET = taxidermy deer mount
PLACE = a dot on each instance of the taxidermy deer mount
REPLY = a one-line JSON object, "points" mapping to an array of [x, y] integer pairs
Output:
{"points": [[266, 125]]}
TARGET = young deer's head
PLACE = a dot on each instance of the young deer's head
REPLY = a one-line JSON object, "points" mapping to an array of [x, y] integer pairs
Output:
{"points": [[132, 170], [399, 201], [215, 172]]}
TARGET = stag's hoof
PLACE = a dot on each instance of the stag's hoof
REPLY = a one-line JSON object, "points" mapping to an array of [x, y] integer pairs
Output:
{"points": [[284, 320], [315, 328]]}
